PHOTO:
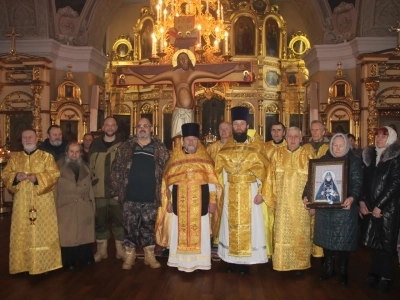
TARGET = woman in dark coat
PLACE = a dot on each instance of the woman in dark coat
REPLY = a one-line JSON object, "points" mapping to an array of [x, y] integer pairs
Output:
{"points": [[380, 205], [336, 229]]}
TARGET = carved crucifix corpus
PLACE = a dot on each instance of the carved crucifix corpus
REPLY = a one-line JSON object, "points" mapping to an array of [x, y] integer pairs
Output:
{"points": [[182, 76]]}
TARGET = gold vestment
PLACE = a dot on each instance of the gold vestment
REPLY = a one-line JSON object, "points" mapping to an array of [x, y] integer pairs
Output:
{"points": [[244, 164], [268, 213], [213, 149], [270, 147], [188, 172], [287, 176], [33, 248], [316, 250]]}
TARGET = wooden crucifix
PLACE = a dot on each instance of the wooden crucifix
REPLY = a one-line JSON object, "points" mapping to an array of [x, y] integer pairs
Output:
{"points": [[183, 75], [13, 35]]}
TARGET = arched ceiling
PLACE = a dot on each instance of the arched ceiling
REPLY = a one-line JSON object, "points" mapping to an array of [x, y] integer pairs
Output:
{"points": [[38, 19]]}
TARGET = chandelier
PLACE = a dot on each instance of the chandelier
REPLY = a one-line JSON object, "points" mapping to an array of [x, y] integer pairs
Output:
{"points": [[201, 22]]}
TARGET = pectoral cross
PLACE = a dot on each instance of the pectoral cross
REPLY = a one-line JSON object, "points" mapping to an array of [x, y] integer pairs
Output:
{"points": [[397, 29], [13, 35]]}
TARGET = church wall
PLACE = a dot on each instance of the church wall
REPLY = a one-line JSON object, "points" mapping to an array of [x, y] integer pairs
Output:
{"points": [[123, 23], [87, 66], [322, 61], [293, 18]]}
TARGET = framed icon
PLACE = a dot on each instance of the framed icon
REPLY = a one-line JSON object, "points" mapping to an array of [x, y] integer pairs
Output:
{"points": [[327, 182]]}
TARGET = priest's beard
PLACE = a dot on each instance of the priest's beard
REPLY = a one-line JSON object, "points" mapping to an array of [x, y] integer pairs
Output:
{"points": [[30, 148], [240, 137], [70, 161], [56, 143]]}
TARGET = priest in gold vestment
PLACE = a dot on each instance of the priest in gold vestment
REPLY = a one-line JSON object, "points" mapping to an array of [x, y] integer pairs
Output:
{"points": [[31, 176], [287, 176], [278, 132], [190, 190], [317, 146], [242, 163], [225, 132]]}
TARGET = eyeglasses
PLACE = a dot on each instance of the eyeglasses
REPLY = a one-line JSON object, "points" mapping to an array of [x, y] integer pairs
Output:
{"points": [[143, 126]]}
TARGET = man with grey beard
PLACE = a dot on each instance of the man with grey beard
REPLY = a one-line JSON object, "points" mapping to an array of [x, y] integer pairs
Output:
{"points": [[31, 176], [54, 144], [75, 209]]}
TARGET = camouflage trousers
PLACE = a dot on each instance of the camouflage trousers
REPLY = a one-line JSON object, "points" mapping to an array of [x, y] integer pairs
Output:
{"points": [[139, 221]]}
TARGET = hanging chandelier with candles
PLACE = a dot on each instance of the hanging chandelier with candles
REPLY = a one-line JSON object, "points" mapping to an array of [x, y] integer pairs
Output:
{"points": [[202, 21]]}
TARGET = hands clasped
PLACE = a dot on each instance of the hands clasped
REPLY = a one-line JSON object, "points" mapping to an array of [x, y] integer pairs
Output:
{"points": [[21, 176]]}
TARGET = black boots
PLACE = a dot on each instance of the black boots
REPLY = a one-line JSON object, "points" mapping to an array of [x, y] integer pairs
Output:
{"points": [[343, 263], [329, 265]]}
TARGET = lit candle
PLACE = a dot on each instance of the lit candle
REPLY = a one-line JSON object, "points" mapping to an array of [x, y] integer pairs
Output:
{"points": [[216, 45], [153, 45], [226, 42], [172, 8], [222, 13], [218, 10], [158, 12], [199, 28], [162, 39], [207, 11], [165, 14]]}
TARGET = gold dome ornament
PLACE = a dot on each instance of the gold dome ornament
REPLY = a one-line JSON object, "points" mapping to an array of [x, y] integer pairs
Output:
{"points": [[259, 5]]}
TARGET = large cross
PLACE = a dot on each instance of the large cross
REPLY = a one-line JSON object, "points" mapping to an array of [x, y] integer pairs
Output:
{"points": [[397, 29], [183, 74], [13, 35]]}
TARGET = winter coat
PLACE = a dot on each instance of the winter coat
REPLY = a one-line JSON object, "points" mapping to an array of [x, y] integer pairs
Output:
{"points": [[100, 160], [75, 206], [382, 190], [336, 229], [122, 164]]}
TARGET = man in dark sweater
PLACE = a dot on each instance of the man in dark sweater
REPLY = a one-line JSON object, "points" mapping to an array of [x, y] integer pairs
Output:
{"points": [[54, 144], [136, 177]]}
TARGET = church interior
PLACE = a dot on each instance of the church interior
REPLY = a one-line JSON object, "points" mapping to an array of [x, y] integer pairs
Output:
{"points": [[75, 62], [65, 62]]}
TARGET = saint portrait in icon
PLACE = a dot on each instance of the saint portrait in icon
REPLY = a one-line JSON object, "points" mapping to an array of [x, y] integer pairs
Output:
{"points": [[328, 190]]}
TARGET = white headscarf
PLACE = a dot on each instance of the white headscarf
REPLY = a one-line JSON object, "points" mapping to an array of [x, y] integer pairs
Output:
{"points": [[346, 144], [391, 139]]}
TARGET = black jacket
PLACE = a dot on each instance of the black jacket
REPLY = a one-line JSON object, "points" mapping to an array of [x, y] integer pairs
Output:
{"points": [[57, 151], [336, 229], [382, 190]]}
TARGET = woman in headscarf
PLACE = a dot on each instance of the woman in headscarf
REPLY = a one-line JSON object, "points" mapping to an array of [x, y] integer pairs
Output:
{"points": [[336, 229], [380, 205]]}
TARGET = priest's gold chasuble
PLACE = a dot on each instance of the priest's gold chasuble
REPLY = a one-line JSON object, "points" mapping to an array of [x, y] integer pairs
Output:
{"points": [[270, 147], [213, 149], [286, 179], [189, 172], [34, 246], [244, 164]]}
